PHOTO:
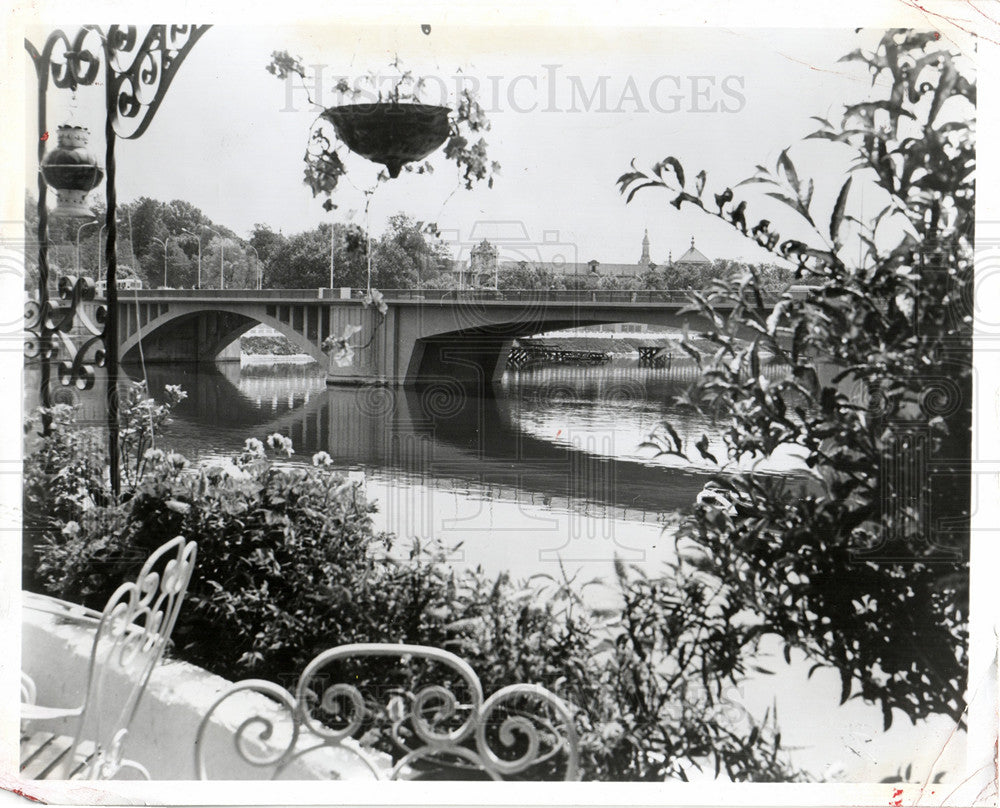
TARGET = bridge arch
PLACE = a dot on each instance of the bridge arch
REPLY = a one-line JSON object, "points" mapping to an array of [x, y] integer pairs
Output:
{"points": [[198, 332], [475, 354]]}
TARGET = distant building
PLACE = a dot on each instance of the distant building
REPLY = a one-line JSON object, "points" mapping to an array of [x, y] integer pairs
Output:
{"points": [[485, 263], [693, 257], [645, 260]]}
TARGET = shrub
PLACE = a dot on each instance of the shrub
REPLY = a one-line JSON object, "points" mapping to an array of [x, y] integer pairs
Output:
{"points": [[867, 570]]}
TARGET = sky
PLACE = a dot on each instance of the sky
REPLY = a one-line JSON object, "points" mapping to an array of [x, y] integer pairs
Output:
{"points": [[230, 137]]}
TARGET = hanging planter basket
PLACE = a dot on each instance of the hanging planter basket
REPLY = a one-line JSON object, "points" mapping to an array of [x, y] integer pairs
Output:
{"points": [[72, 171], [390, 133]]}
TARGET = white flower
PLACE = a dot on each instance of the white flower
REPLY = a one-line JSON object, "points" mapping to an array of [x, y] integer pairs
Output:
{"points": [[377, 299], [71, 528], [154, 456], [322, 459], [280, 444], [331, 343], [175, 392], [178, 461], [344, 356], [254, 447]]}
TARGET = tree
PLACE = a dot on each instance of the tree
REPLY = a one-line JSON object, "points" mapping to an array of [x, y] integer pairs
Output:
{"points": [[302, 261], [866, 569], [409, 255]]}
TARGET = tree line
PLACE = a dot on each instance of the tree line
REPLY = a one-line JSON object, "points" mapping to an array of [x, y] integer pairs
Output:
{"points": [[175, 245]]}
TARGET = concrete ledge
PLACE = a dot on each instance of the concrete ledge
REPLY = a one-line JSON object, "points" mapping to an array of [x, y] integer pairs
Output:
{"points": [[57, 639]]}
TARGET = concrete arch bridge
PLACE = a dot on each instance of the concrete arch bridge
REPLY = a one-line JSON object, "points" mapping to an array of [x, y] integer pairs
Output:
{"points": [[425, 335]]}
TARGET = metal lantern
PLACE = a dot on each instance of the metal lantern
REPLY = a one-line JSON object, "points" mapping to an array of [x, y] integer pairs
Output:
{"points": [[72, 171], [390, 133]]}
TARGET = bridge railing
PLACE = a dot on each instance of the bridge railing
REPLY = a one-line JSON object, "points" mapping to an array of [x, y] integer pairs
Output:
{"points": [[640, 297]]}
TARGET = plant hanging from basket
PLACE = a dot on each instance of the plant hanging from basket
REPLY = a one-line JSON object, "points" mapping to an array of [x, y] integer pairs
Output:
{"points": [[397, 130]]}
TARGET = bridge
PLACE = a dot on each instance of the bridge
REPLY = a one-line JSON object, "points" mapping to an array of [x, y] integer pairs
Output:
{"points": [[462, 336]]}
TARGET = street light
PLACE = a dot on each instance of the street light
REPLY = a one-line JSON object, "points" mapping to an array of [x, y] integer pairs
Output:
{"points": [[222, 257], [164, 242], [333, 241], [197, 236], [256, 263], [99, 234], [85, 224]]}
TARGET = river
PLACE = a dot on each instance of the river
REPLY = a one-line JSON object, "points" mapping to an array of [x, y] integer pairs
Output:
{"points": [[551, 471]]}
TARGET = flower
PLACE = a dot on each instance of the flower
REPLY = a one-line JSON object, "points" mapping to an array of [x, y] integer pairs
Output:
{"points": [[175, 393], [71, 529], [154, 456], [253, 447], [178, 461], [280, 444], [322, 459], [377, 299], [343, 351]]}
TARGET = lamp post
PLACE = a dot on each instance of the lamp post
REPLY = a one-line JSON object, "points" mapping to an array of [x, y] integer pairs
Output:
{"points": [[333, 241], [135, 72], [256, 263], [197, 236], [85, 224], [99, 234], [164, 242], [222, 257]]}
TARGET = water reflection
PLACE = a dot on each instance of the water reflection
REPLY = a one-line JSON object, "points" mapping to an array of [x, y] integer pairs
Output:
{"points": [[554, 439]]}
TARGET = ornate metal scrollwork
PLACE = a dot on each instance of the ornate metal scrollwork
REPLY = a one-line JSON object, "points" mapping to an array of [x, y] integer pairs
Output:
{"points": [[138, 71], [50, 327], [395, 723]]}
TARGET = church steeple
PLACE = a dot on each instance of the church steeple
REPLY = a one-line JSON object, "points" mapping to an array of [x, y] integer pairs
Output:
{"points": [[645, 260]]}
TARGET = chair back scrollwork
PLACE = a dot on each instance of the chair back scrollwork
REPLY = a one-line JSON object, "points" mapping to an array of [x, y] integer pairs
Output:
{"points": [[394, 711], [132, 635]]}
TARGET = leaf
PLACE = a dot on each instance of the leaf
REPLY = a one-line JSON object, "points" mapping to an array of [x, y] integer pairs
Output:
{"points": [[794, 204], [673, 163], [788, 167], [886, 715], [702, 447], [752, 180], [699, 182], [775, 317], [845, 685], [638, 188], [837, 217], [854, 56], [674, 436]]}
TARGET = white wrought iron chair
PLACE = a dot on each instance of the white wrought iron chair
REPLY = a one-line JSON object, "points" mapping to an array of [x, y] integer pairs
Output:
{"points": [[130, 637], [431, 723]]}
